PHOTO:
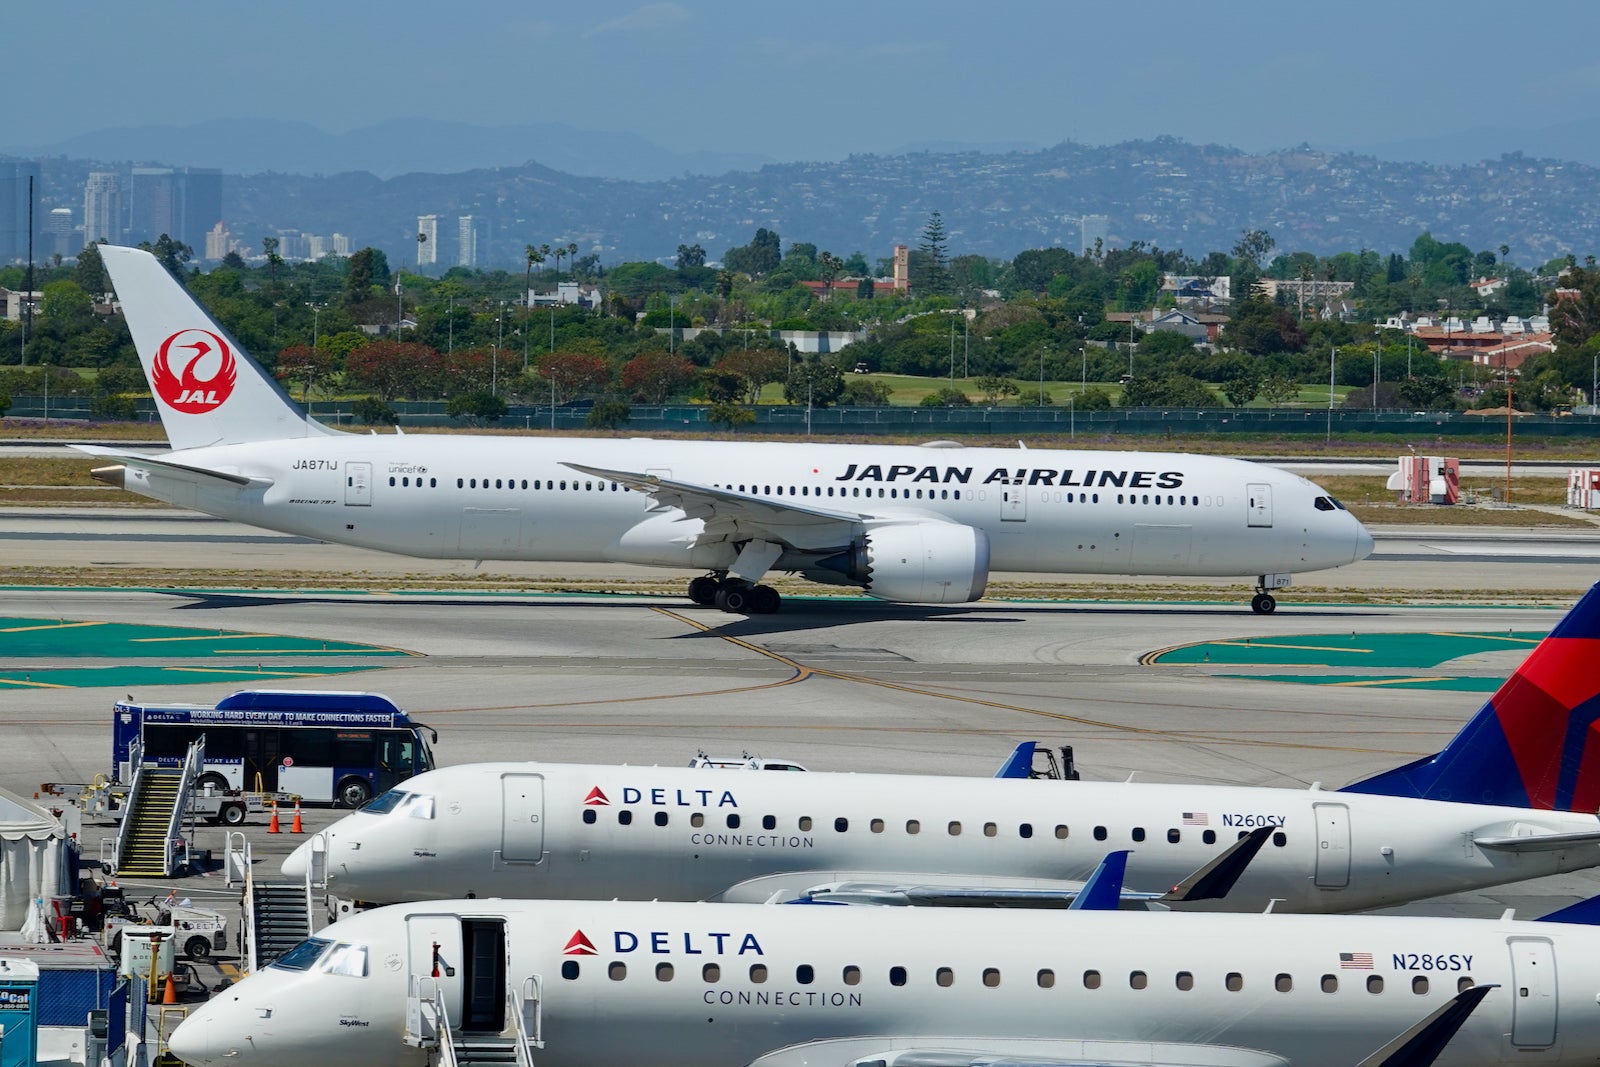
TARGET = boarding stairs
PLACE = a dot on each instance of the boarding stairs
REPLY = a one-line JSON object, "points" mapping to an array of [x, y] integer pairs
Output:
{"points": [[276, 916], [149, 840], [428, 1027]]}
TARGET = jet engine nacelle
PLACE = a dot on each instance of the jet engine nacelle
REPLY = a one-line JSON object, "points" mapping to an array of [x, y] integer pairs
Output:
{"points": [[918, 562]]}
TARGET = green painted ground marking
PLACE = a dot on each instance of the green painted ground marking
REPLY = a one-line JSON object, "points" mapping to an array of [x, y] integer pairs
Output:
{"points": [[1369, 650], [68, 638], [121, 677], [1455, 685]]}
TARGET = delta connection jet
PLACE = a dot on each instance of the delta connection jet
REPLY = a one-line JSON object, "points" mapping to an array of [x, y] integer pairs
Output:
{"points": [[600, 983], [908, 524], [1514, 795]]}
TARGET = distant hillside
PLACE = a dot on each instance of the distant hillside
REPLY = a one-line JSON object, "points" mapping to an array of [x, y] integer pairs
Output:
{"points": [[1164, 192]]}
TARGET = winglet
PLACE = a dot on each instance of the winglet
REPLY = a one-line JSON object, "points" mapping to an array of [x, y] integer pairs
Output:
{"points": [[1422, 1044], [1103, 890], [1216, 879], [1583, 913], [1020, 763], [1535, 744]]}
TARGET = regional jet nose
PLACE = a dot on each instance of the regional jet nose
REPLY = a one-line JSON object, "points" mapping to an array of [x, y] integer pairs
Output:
{"points": [[1364, 545], [189, 1041], [298, 862]]}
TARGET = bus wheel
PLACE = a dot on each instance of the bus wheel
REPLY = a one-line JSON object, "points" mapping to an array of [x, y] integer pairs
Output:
{"points": [[353, 792], [211, 780]]}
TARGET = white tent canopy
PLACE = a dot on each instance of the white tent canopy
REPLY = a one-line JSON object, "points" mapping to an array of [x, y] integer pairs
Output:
{"points": [[33, 859]]}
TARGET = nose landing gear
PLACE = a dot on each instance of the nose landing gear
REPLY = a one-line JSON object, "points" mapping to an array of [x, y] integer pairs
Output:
{"points": [[1264, 603]]}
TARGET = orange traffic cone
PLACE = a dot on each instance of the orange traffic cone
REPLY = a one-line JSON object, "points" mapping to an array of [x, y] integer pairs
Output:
{"points": [[272, 823], [295, 827], [170, 994]]}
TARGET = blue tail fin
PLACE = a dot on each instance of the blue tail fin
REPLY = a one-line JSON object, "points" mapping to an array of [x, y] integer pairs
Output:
{"points": [[1535, 744], [1020, 763], [1103, 890]]}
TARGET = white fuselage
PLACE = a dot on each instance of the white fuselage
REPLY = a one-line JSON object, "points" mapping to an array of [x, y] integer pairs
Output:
{"points": [[724, 985], [556, 830], [513, 499]]}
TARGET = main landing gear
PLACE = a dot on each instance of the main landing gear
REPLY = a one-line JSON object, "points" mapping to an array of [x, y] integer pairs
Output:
{"points": [[734, 595]]}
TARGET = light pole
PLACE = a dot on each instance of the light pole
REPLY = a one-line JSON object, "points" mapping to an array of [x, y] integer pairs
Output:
{"points": [[1333, 354], [1083, 350]]}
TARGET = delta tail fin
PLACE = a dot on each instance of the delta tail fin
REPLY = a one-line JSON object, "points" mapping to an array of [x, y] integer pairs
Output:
{"points": [[1535, 744], [207, 389]]}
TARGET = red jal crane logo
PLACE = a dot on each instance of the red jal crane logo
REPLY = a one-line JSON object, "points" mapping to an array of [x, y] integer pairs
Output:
{"points": [[195, 351]]}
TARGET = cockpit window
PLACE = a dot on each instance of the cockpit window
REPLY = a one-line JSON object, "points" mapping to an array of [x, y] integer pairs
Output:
{"points": [[417, 806], [1338, 505], [385, 803], [350, 960], [1323, 503], [303, 956]]}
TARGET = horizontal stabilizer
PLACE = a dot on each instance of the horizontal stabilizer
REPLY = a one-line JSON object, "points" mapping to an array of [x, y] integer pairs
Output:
{"points": [[1422, 1044], [182, 471], [1540, 842], [1020, 763], [1216, 879]]}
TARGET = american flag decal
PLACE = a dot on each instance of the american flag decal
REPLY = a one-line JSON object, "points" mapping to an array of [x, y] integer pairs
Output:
{"points": [[1355, 961], [1196, 818]]}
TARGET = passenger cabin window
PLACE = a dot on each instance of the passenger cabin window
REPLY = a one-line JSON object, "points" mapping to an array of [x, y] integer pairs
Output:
{"points": [[1138, 980], [990, 829], [589, 816], [1284, 983], [661, 818], [945, 977], [913, 826], [1463, 984], [1185, 981], [805, 822], [664, 972], [569, 970], [991, 977], [711, 972], [955, 829], [897, 976], [1330, 983], [1046, 979], [697, 819], [758, 973], [1234, 981], [617, 971], [1374, 983], [852, 974], [1419, 985], [876, 825], [1061, 832], [1091, 979], [768, 822]]}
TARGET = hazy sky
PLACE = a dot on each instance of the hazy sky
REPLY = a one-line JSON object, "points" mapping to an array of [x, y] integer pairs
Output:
{"points": [[816, 80]]}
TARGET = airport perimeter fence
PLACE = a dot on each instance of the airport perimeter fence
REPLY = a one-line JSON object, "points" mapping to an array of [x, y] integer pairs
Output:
{"points": [[919, 421]]}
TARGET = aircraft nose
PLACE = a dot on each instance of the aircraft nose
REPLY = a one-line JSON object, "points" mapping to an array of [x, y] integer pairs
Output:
{"points": [[298, 862], [1364, 543], [189, 1041]]}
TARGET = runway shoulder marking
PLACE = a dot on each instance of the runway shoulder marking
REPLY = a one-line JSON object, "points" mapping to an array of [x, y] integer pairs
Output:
{"points": [[1400, 651]]}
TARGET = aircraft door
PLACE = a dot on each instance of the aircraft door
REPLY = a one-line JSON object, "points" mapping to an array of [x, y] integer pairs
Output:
{"points": [[434, 947], [483, 988], [1260, 497], [358, 484], [1533, 994], [1333, 845], [1013, 503], [522, 818]]}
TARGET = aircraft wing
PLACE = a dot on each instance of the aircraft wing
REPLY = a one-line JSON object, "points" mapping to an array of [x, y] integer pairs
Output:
{"points": [[729, 515], [166, 467], [1418, 1046]]}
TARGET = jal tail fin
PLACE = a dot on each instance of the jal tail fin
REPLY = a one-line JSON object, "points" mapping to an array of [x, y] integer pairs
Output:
{"points": [[1535, 744], [207, 389]]}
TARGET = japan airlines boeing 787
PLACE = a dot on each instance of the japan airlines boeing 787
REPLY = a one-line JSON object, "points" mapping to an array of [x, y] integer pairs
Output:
{"points": [[902, 523]]}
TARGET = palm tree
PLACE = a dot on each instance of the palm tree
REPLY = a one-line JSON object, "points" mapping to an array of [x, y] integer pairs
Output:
{"points": [[544, 253], [572, 252], [534, 256]]}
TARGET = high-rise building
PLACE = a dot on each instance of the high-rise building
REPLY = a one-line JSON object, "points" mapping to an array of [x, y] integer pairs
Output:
{"points": [[14, 211], [58, 227], [341, 244], [467, 242], [102, 207], [1091, 229], [219, 242], [184, 204], [427, 240]]}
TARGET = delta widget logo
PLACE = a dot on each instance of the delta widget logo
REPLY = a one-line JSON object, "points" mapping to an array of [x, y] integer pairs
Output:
{"points": [[206, 376], [579, 945], [596, 799]]}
